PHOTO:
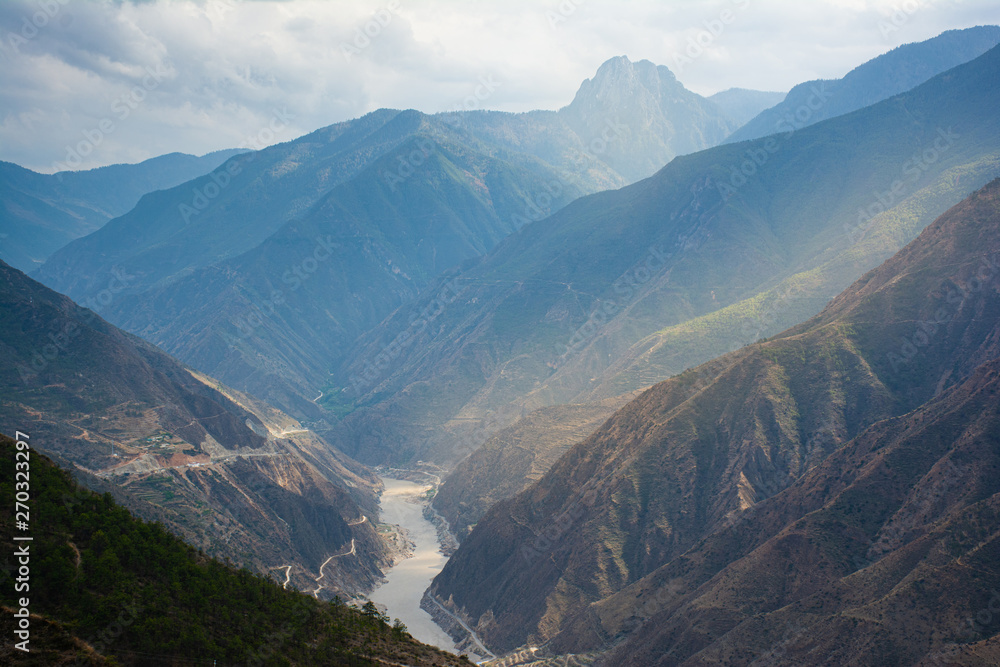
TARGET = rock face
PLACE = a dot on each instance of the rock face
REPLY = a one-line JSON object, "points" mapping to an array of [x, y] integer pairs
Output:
{"points": [[669, 489], [886, 553], [515, 458], [636, 114], [232, 476]]}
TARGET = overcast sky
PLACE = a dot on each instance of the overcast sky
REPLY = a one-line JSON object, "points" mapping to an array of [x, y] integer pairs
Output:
{"points": [[125, 81]]}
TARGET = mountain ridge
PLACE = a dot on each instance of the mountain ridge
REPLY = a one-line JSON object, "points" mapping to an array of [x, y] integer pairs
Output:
{"points": [[889, 74], [40, 213]]}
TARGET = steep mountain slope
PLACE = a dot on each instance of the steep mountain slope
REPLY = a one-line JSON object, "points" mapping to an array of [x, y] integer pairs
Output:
{"points": [[883, 554], [107, 589], [40, 213], [558, 304], [692, 454], [891, 73], [741, 105], [237, 479], [515, 458]]}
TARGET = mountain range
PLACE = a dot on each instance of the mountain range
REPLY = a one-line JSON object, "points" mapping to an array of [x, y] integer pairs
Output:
{"points": [[214, 267], [741, 105], [624, 288]]}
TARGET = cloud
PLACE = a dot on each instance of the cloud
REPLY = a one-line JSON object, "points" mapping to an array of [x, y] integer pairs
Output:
{"points": [[124, 81]]}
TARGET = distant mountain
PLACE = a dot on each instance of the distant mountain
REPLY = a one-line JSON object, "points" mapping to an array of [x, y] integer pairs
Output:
{"points": [[111, 590], [740, 105], [622, 125], [551, 315], [226, 273], [171, 234], [891, 73], [232, 476], [653, 116], [223, 214], [872, 430], [40, 213], [272, 319]]}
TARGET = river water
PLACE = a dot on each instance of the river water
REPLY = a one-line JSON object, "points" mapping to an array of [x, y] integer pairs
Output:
{"points": [[407, 581]]}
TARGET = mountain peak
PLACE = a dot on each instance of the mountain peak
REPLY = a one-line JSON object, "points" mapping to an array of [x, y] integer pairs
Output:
{"points": [[620, 77], [633, 97]]}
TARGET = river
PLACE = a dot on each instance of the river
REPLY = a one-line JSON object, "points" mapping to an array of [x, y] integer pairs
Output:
{"points": [[406, 582]]}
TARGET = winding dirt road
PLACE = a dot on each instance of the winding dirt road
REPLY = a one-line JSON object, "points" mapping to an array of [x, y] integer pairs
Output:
{"points": [[319, 586], [288, 574]]}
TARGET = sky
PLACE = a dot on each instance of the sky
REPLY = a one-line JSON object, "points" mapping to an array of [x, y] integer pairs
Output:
{"points": [[87, 83]]}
